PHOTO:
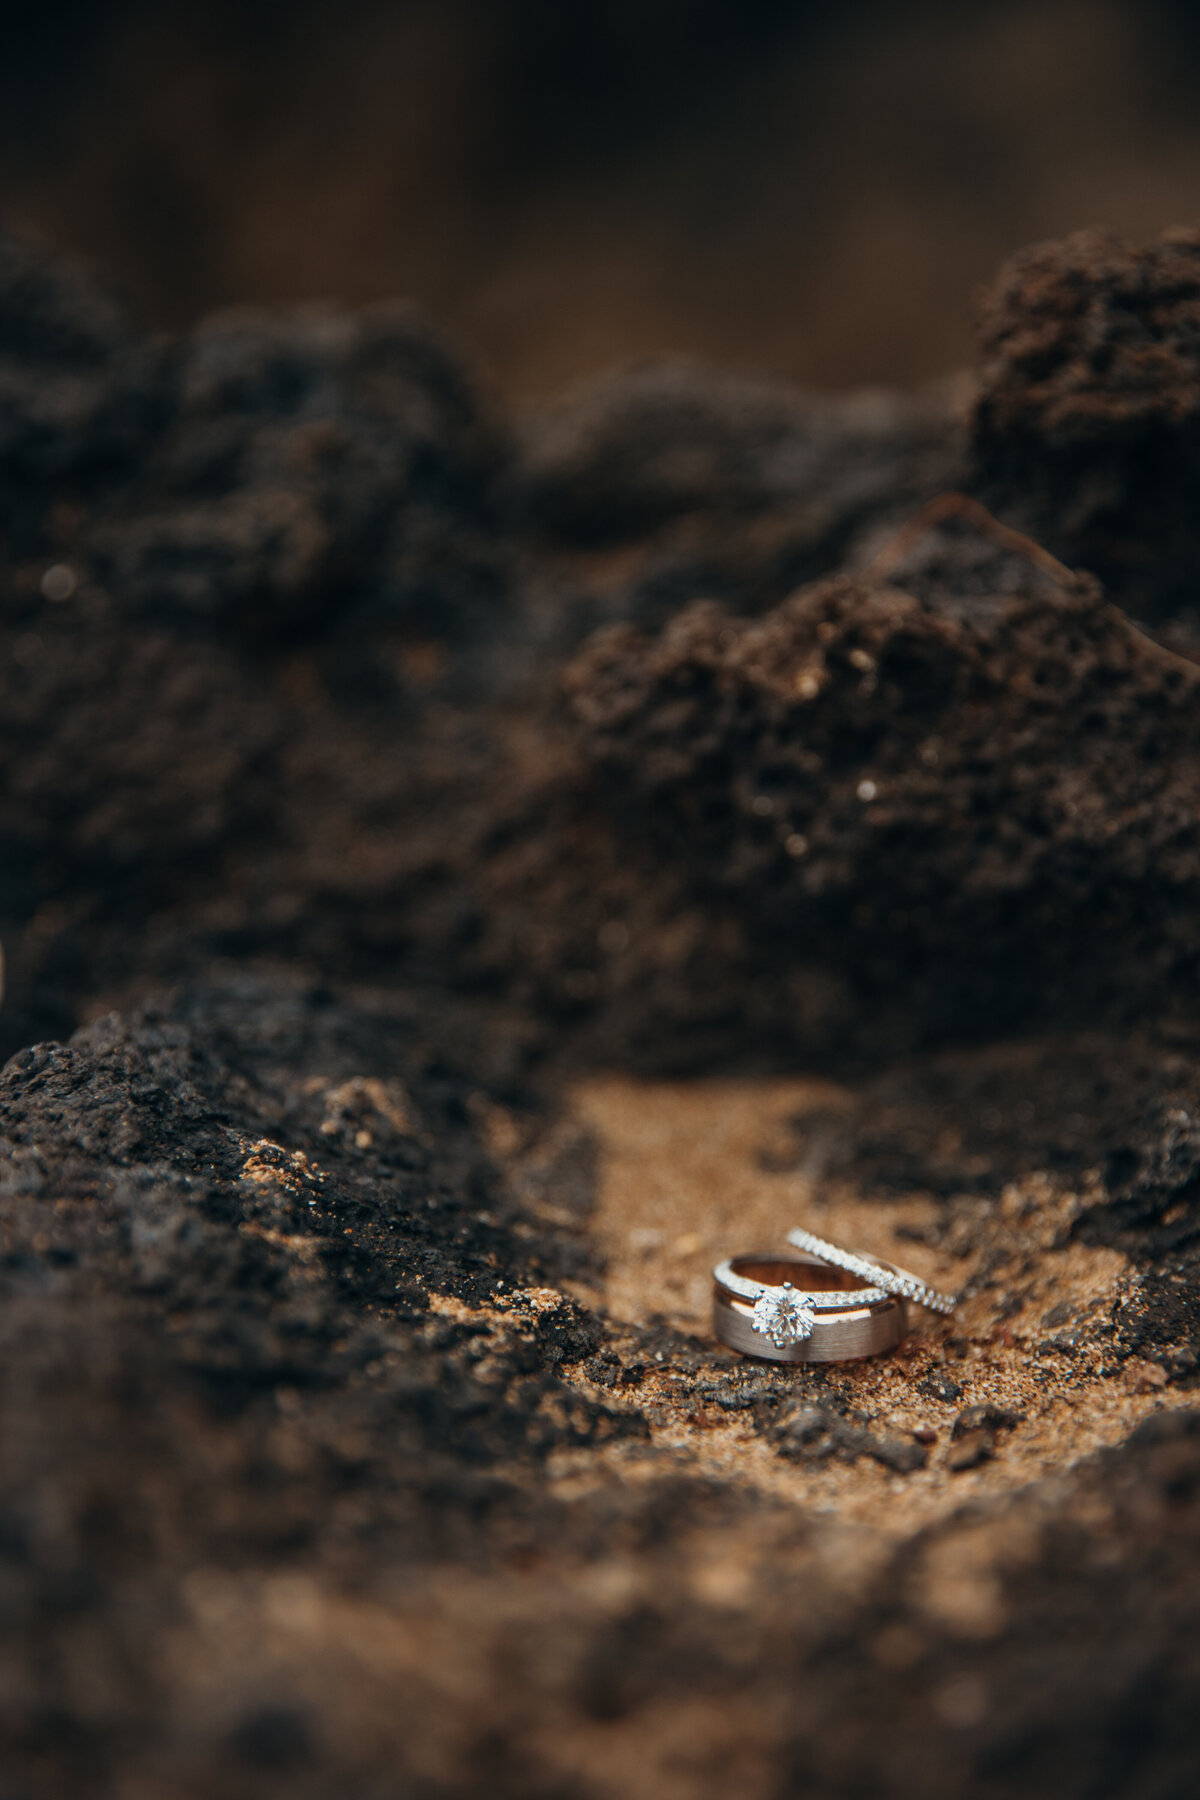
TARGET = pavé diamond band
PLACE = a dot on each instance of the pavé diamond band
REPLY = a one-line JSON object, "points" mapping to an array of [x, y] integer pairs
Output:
{"points": [[825, 1288], [759, 1309], [870, 1268]]}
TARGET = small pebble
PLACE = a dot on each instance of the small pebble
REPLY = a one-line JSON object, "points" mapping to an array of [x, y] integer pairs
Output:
{"points": [[975, 1448]]}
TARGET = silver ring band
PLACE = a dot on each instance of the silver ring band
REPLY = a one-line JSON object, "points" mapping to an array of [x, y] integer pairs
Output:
{"points": [[835, 1337], [871, 1268]]}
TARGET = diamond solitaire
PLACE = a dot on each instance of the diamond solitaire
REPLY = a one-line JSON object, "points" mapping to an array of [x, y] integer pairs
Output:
{"points": [[783, 1316]]}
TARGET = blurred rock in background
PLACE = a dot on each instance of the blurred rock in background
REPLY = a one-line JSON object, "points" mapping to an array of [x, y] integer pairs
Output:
{"points": [[809, 188]]}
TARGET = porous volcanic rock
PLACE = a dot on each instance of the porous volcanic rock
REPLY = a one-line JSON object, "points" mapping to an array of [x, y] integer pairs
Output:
{"points": [[669, 481], [314, 1475], [960, 808], [361, 1429], [80, 391], [1086, 428], [272, 472]]}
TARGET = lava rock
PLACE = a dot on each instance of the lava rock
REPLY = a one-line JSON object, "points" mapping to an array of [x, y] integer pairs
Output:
{"points": [[868, 789], [319, 1476], [984, 1418], [1086, 429]]}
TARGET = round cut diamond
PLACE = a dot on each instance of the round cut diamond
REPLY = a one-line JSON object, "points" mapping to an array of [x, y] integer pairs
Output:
{"points": [[783, 1317]]}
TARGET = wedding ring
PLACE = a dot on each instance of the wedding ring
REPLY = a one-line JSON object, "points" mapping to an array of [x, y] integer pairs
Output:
{"points": [[827, 1284], [870, 1268], [759, 1309]]}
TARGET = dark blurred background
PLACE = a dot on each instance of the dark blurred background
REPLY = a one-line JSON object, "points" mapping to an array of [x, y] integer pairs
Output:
{"points": [[569, 183]]}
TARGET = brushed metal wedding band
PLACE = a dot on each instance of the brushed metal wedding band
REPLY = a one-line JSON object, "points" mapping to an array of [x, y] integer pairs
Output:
{"points": [[760, 1309], [870, 1268]]}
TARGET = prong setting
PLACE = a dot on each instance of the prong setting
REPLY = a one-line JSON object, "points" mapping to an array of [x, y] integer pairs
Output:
{"points": [[783, 1316]]}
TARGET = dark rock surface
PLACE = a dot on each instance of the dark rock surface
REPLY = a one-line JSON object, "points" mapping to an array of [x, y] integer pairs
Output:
{"points": [[1087, 423], [331, 854], [961, 811]]}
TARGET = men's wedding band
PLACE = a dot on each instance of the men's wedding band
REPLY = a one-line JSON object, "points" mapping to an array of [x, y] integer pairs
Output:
{"points": [[870, 1268]]}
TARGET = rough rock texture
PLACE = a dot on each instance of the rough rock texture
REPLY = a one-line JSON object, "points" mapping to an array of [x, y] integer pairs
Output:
{"points": [[674, 481], [1086, 428], [961, 811], [361, 1428], [270, 472]]}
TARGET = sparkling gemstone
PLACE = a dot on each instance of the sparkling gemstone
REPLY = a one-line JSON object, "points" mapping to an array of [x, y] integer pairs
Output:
{"points": [[783, 1317]]}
